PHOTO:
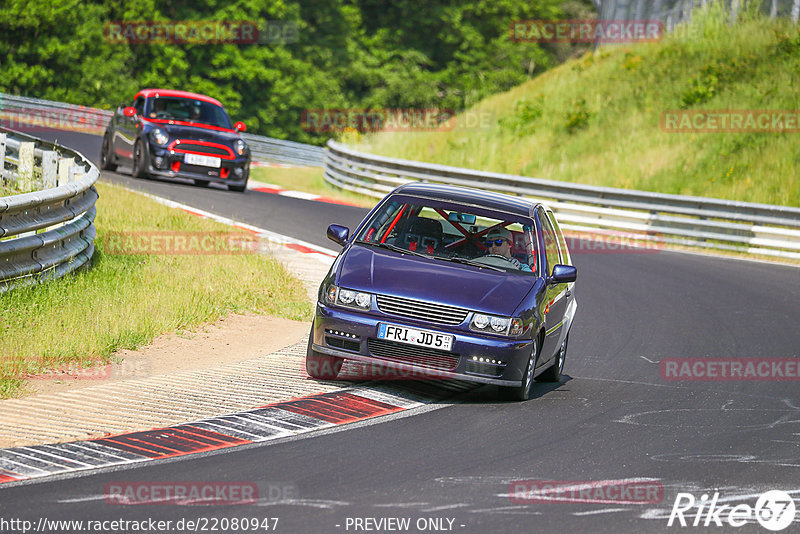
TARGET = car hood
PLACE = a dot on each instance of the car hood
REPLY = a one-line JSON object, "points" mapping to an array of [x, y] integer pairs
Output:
{"points": [[391, 273], [180, 131]]}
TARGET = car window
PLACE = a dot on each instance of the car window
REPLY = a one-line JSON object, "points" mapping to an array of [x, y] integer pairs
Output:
{"points": [[187, 110], [451, 232], [139, 105], [550, 245], [562, 242]]}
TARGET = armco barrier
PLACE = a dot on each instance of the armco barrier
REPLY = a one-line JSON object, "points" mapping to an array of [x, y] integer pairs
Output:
{"points": [[18, 111], [49, 231], [683, 220]]}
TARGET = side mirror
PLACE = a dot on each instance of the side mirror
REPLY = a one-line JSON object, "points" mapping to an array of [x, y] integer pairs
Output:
{"points": [[239, 126], [129, 111], [338, 234], [563, 274]]}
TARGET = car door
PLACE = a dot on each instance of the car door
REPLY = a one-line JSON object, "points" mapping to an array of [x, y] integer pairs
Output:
{"points": [[127, 128], [564, 259], [555, 302]]}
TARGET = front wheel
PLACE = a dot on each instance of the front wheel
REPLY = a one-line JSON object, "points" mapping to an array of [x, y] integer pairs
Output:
{"points": [[238, 188], [139, 160], [523, 391], [321, 366], [105, 156], [553, 374]]}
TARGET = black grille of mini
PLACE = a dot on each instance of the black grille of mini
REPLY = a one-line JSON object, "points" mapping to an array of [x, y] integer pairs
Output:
{"points": [[202, 149]]}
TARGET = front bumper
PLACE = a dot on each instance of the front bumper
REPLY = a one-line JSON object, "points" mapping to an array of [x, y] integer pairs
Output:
{"points": [[360, 343], [233, 172]]}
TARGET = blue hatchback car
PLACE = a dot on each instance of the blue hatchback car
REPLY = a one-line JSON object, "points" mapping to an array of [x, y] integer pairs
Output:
{"points": [[449, 282]]}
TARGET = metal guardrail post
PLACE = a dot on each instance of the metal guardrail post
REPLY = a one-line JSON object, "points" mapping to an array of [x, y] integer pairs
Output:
{"points": [[47, 232]]}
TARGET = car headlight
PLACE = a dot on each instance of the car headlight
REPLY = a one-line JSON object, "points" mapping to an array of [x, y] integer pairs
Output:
{"points": [[348, 297], [159, 136], [240, 147], [491, 324]]}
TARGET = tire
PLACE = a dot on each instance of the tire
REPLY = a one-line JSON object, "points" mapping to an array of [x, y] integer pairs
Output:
{"points": [[201, 183], [139, 160], [321, 366], [238, 188], [553, 373], [523, 391], [105, 155]]}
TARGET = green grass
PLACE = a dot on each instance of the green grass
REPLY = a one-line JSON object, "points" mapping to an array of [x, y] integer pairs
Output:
{"points": [[124, 301], [309, 180], [596, 119]]}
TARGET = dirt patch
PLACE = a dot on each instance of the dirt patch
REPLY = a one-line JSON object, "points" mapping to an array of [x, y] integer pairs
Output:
{"points": [[231, 339]]}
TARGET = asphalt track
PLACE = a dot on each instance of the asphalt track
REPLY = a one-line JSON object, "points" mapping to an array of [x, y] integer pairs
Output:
{"points": [[613, 417]]}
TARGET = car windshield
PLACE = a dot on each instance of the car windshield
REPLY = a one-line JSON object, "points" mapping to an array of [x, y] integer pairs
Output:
{"points": [[187, 110], [452, 233]]}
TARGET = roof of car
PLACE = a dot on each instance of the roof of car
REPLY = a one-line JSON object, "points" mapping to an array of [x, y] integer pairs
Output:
{"points": [[147, 93], [478, 197]]}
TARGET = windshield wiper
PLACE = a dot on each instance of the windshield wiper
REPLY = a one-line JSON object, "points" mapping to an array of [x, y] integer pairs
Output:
{"points": [[465, 261], [395, 248]]}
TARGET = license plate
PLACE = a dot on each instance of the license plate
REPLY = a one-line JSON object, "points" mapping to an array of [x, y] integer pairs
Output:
{"points": [[412, 336], [205, 161]]}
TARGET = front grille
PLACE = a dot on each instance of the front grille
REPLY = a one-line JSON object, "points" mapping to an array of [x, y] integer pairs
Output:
{"points": [[424, 311], [421, 356], [199, 169], [344, 344], [202, 149], [486, 369]]}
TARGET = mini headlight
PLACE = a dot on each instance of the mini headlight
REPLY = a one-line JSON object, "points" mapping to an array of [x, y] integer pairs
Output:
{"points": [[159, 136], [240, 147], [490, 324]]}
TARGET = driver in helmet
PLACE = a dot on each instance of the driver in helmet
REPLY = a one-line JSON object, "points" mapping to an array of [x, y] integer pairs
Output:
{"points": [[499, 243], [159, 107]]}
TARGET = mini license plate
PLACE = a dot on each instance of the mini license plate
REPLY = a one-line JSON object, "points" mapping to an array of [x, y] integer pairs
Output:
{"points": [[205, 161], [412, 336]]}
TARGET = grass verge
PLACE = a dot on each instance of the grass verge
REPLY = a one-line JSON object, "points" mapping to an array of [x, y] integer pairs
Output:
{"points": [[597, 119], [124, 301]]}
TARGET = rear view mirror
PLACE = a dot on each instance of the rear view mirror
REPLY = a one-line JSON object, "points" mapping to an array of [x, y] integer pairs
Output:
{"points": [[338, 234], [239, 126], [563, 274], [463, 218], [129, 111]]}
